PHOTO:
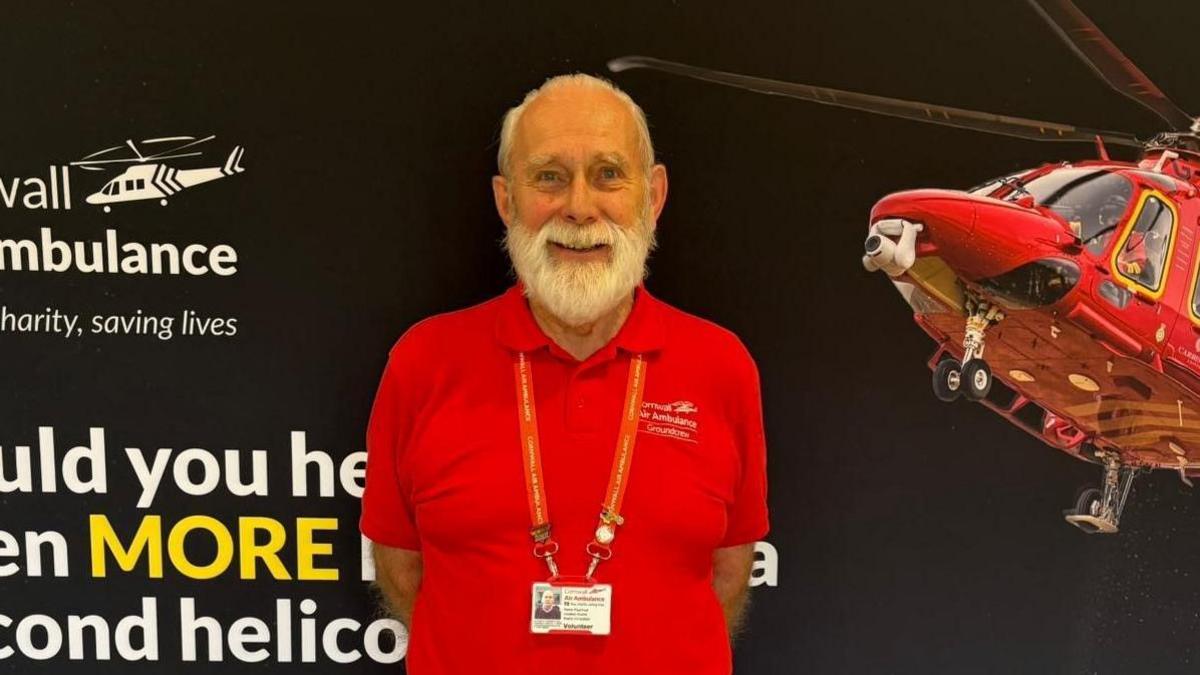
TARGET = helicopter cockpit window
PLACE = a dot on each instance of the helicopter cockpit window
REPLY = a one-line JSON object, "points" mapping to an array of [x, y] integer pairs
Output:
{"points": [[1165, 183], [991, 186], [1143, 253], [1092, 201], [1196, 299], [987, 188]]}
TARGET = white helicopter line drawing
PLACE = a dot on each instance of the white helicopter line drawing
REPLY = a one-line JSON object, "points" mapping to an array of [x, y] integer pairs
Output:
{"points": [[151, 178]]}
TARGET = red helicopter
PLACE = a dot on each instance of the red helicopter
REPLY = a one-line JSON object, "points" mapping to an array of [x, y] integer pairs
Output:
{"points": [[1082, 279]]}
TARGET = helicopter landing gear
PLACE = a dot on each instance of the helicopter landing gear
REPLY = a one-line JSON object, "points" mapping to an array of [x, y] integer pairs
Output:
{"points": [[952, 379], [162, 202], [1098, 510], [973, 377], [107, 209], [977, 376], [977, 379], [947, 380]]}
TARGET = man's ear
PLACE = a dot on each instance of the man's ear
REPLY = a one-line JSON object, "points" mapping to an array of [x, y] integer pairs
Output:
{"points": [[658, 189], [500, 195]]}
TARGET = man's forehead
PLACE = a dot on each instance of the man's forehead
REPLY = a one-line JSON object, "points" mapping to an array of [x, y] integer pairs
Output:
{"points": [[539, 160], [576, 122]]}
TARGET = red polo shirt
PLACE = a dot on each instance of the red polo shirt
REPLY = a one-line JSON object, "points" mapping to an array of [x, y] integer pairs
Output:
{"points": [[445, 477]]}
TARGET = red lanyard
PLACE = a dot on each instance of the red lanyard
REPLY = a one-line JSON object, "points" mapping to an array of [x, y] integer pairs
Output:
{"points": [[600, 548]]}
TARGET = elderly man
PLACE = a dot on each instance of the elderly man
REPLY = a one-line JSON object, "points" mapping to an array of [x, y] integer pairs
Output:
{"points": [[574, 430], [548, 609]]}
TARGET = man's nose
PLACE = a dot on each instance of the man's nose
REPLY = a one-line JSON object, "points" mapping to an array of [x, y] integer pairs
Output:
{"points": [[580, 207]]}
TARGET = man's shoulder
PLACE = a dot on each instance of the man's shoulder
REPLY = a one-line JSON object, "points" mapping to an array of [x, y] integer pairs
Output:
{"points": [[448, 330], [695, 333]]}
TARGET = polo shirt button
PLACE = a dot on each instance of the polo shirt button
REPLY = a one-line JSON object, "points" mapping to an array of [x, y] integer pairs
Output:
{"points": [[579, 403]]}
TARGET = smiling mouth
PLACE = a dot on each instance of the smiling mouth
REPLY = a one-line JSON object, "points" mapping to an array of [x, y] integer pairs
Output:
{"points": [[578, 249]]}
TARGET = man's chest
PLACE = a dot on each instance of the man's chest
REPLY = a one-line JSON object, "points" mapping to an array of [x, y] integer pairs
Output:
{"points": [[464, 468]]}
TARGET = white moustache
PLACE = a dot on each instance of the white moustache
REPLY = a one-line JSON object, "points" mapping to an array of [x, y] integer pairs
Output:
{"points": [[580, 237]]}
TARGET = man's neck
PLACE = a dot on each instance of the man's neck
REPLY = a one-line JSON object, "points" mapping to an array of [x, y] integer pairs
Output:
{"points": [[584, 340]]}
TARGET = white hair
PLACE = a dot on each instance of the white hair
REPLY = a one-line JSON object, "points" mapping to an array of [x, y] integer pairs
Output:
{"points": [[513, 117]]}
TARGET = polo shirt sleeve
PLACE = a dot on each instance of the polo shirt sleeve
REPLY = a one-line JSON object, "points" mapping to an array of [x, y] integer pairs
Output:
{"points": [[747, 517], [387, 513]]}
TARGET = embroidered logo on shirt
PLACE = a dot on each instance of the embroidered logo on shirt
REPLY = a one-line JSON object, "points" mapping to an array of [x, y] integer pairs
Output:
{"points": [[671, 420], [685, 407]]}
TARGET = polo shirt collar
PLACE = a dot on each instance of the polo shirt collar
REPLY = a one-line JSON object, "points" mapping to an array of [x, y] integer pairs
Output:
{"points": [[642, 332]]}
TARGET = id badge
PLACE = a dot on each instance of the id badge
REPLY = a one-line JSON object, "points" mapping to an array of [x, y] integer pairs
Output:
{"points": [[582, 608]]}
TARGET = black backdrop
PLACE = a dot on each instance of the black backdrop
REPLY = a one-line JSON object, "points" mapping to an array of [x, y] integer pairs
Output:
{"points": [[911, 536]]}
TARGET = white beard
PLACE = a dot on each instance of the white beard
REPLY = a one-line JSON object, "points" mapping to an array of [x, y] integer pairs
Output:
{"points": [[580, 293]]}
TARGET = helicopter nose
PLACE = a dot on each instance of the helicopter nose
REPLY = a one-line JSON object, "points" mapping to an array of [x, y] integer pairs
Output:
{"points": [[93, 198], [978, 237], [949, 219]]}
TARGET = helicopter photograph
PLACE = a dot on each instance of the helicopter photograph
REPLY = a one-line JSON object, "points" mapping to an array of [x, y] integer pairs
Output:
{"points": [[1081, 279]]}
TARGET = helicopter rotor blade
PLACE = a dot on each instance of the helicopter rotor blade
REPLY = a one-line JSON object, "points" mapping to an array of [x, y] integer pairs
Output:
{"points": [[86, 163], [1004, 125], [1108, 62], [177, 148], [960, 118], [101, 152], [168, 139]]}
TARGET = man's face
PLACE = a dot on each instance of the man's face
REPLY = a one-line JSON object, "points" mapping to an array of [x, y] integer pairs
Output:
{"points": [[578, 203], [547, 600]]}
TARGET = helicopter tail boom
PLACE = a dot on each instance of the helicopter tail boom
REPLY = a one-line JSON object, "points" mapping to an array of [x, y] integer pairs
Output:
{"points": [[232, 166]]}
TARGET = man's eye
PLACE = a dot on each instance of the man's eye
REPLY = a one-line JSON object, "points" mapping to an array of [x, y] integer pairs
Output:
{"points": [[609, 173], [548, 177]]}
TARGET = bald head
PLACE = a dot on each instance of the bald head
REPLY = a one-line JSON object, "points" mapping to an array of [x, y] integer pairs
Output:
{"points": [[585, 101]]}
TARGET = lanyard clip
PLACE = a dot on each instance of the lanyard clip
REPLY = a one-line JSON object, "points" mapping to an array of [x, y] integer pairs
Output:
{"points": [[540, 533], [598, 552], [600, 548], [545, 548], [553, 566]]}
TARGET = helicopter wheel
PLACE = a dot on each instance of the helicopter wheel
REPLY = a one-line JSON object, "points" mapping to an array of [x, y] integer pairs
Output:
{"points": [[1086, 514], [976, 379], [947, 380], [163, 202], [108, 209], [1088, 503]]}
